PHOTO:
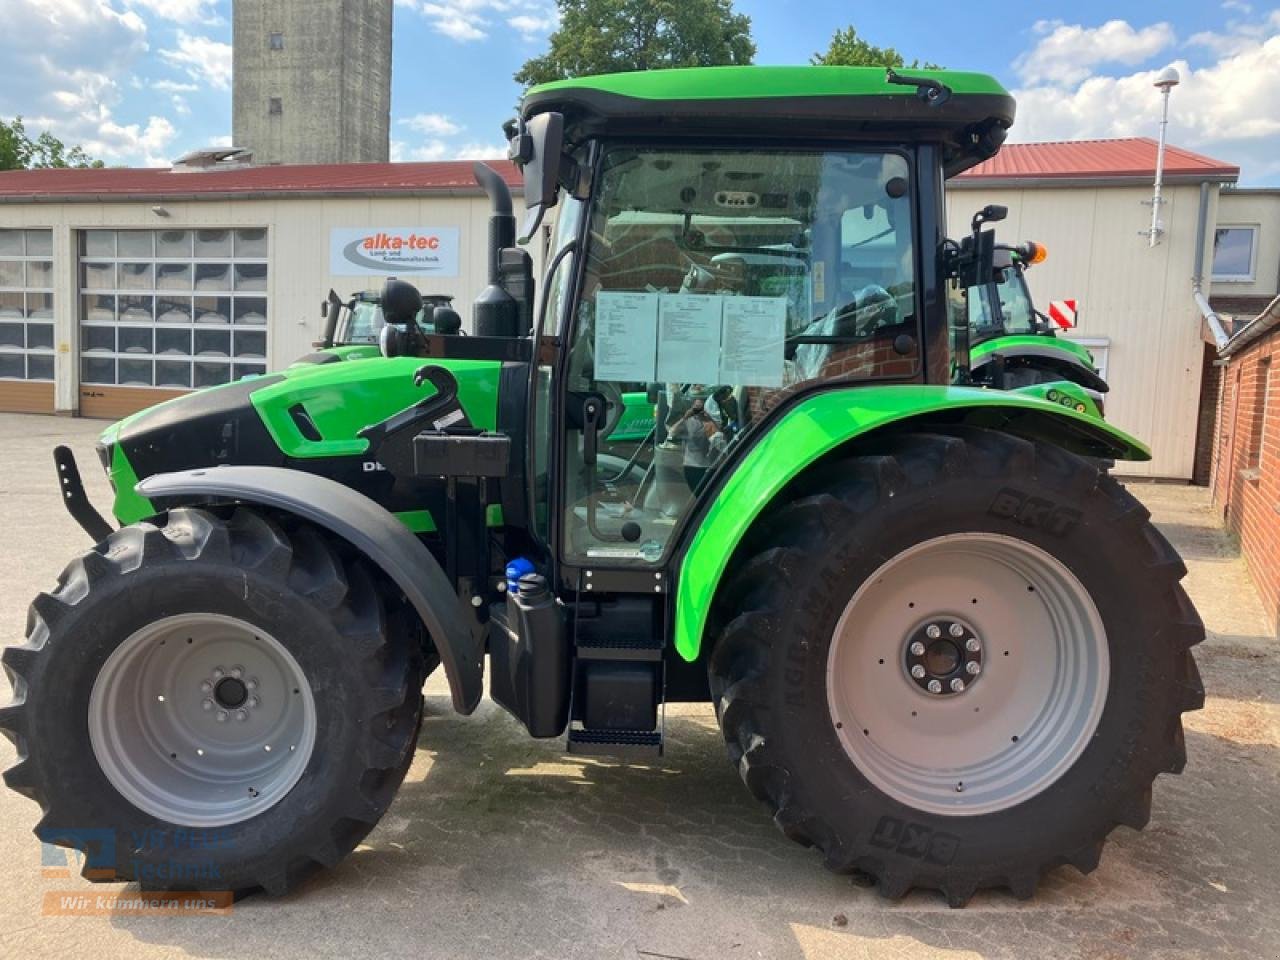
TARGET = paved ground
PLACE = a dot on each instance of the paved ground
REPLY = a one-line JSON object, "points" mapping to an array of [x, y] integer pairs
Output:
{"points": [[498, 846]]}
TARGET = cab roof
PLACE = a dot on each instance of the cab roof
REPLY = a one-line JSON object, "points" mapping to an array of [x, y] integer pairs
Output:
{"points": [[816, 102]]}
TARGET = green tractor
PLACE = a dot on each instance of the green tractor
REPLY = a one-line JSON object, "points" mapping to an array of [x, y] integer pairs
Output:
{"points": [[944, 647], [1014, 346]]}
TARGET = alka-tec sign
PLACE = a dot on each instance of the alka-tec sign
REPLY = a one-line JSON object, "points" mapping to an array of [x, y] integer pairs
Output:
{"points": [[378, 251]]}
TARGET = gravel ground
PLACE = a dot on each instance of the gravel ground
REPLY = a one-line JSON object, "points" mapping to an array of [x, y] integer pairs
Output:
{"points": [[499, 846]]}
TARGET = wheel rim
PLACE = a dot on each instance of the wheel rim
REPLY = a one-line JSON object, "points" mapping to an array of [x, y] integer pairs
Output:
{"points": [[1017, 722], [202, 720]]}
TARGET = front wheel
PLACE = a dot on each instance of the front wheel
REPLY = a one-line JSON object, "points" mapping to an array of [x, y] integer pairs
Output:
{"points": [[956, 661], [212, 702]]}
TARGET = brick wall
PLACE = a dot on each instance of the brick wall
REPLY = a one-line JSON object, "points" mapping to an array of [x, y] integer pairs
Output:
{"points": [[1246, 461]]}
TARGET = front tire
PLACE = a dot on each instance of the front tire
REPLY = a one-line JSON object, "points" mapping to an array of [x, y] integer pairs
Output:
{"points": [[823, 669], [213, 702]]}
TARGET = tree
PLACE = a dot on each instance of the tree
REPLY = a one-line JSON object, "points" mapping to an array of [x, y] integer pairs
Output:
{"points": [[847, 49], [19, 152], [617, 36]]}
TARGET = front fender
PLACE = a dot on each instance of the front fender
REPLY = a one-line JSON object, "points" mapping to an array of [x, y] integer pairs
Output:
{"points": [[369, 528], [822, 422]]}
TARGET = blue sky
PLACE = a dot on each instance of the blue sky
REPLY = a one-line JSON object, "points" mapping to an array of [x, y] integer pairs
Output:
{"points": [[141, 81]]}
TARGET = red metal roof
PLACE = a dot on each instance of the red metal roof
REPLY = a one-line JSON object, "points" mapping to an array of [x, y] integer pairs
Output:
{"points": [[1132, 158], [336, 178], [1128, 158]]}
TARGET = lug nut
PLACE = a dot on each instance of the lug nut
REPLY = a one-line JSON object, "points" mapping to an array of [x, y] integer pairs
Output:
{"points": [[237, 672], [973, 645], [241, 715], [933, 631], [917, 649], [918, 672], [935, 686], [957, 630], [253, 701], [206, 705], [973, 668], [222, 716], [957, 685], [217, 673], [252, 683], [205, 686]]}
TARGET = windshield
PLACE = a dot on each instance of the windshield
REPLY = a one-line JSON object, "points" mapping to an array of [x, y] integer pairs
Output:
{"points": [[719, 283], [1003, 307], [363, 322]]}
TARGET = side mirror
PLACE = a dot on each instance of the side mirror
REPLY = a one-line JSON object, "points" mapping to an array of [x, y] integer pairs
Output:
{"points": [[991, 213], [537, 149]]}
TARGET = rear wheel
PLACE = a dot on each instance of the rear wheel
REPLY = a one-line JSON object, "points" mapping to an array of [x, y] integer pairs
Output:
{"points": [[213, 703], [956, 661]]}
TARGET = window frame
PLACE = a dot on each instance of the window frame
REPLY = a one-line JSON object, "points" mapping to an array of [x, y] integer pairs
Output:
{"points": [[1255, 231]]}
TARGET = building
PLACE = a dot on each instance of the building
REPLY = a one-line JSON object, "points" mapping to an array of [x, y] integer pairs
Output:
{"points": [[1089, 202], [311, 80], [120, 288], [1246, 454]]}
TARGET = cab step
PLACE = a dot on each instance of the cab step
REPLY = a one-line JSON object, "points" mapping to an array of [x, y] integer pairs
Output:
{"points": [[638, 648], [624, 744]]}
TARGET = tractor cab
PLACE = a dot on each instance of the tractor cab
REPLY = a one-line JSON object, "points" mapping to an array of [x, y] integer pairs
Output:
{"points": [[1013, 345], [354, 327]]}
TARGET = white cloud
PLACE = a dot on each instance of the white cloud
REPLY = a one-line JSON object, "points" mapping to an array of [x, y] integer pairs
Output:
{"points": [[151, 142], [204, 60], [469, 20], [1224, 109], [431, 124], [436, 150], [1066, 53], [167, 86], [180, 11], [533, 27], [66, 62]]}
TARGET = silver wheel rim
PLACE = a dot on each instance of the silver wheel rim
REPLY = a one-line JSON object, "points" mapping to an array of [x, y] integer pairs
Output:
{"points": [[1016, 726], [202, 720]]}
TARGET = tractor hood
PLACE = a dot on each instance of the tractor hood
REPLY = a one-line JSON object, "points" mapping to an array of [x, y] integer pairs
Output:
{"points": [[307, 417]]}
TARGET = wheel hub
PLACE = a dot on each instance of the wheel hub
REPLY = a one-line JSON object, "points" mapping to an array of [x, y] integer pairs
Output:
{"points": [[943, 656]]}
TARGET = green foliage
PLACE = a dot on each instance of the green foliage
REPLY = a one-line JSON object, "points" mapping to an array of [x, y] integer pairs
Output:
{"points": [[18, 151], [847, 49], [619, 36]]}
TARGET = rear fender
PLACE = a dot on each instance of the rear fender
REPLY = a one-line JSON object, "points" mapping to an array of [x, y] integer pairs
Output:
{"points": [[369, 528], [822, 422]]}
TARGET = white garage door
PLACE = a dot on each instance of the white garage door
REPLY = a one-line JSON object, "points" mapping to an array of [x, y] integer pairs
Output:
{"points": [[165, 311], [26, 321]]}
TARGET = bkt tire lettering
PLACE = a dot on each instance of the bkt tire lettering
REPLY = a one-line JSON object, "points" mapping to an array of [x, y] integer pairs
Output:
{"points": [[1035, 512]]}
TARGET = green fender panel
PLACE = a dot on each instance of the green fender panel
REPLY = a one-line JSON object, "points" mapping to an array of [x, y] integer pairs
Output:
{"points": [[1041, 341], [823, 422]]}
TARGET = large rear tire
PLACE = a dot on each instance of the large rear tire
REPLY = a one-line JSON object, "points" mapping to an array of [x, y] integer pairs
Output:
{"points": [[213, 703], [955, 661]]}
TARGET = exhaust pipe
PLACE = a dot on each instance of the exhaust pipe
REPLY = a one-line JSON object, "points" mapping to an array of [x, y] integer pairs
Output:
{"points": [[496, 313]]}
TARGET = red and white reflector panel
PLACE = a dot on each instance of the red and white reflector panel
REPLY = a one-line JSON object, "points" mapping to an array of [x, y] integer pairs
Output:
{"points": [[1063, 313]]}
